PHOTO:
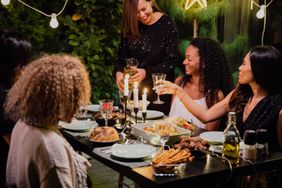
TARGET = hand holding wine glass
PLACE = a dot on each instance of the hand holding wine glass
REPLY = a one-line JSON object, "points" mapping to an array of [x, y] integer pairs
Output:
{"points": [[106, 107], [156, 78]]}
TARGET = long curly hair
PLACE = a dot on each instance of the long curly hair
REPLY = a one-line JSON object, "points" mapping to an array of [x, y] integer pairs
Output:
{"points": [[49, 90], [214, 70], [266, 65]]}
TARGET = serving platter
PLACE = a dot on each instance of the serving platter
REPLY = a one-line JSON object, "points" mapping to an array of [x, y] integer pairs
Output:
{"points": [[155, 139]]}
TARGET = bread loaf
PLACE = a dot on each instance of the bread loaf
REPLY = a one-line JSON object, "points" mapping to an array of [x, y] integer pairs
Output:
{"points": [[104, 134]]}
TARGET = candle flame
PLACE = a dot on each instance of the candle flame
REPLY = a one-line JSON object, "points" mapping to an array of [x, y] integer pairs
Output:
{"points": [[145, 90], [135, 85]]}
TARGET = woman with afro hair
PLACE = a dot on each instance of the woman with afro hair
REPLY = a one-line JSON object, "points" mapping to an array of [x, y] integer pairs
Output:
{"points": [[207, 80]]}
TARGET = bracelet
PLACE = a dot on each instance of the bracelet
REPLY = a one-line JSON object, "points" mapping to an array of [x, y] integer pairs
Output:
{"points": [[183, 93]]}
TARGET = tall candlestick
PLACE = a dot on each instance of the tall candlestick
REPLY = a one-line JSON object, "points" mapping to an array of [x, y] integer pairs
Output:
{"points": [[126, 91], [135, 95], [144, 100]]}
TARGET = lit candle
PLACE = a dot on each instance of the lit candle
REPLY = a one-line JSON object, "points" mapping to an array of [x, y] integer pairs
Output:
{"points": [[144, 100], [135, 95], [126, 91]]}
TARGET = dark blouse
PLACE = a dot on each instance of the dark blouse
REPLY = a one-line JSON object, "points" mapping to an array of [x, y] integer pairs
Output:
{"points": [[156, 50], [6, 127], [264, 116]]}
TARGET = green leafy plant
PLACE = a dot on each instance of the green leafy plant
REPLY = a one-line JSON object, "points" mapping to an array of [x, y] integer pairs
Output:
{"points": [[88, 28]]}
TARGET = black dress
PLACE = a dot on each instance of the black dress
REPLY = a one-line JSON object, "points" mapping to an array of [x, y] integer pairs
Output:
{"points": [[264, 116], [157, 52]]}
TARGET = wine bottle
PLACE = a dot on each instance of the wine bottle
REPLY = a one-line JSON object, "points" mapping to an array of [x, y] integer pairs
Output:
{"points": [[231, 148]]}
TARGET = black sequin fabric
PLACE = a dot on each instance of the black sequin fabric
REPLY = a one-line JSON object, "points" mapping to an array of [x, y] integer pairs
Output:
{"points": [[156, 50], [263, 116]]}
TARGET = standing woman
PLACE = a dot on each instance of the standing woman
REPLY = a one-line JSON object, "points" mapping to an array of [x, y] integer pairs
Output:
{"points": [[256, 98], [15, 52], [207, 80], [149, 36]]}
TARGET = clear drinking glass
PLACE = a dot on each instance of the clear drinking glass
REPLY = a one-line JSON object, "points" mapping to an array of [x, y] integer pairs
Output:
{"points": [[130, 69], [156, 77], [106, 107]]}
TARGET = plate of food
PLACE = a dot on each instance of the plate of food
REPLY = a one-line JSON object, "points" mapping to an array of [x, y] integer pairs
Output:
{"points": [[132, 151], [213, 137], [104, 135], [153, 131], [151, 114], [78, 125]]}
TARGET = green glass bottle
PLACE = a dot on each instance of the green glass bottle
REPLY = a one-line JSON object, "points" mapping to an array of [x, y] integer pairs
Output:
{"points": [[231, 148]]}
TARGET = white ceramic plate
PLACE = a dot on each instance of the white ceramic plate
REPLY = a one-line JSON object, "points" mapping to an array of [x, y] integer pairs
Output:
{"points": [[91, 107], [78, 125], [132, 151], [213, 137], [151, 114]]}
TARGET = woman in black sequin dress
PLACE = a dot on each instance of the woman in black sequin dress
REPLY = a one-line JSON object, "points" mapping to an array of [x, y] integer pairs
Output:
{"points": [[149, 36], [257, 98]]}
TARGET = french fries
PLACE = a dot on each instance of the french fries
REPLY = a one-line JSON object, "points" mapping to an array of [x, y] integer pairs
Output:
{"points": [[172, 156], [166, 161]]}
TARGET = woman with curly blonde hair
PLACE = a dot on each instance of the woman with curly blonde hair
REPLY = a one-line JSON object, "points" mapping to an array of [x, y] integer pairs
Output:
{"points": [[49, 90]]}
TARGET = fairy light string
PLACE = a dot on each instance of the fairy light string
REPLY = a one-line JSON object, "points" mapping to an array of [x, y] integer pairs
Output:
{"points": [[53, 22]]}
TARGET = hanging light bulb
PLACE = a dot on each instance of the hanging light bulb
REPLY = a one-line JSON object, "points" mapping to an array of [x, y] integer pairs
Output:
{"points": [[5, 2], [54, 22], [261, 13]]}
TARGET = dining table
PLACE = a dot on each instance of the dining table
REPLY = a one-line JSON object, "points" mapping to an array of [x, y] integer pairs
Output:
{"points": [[208, 169]]}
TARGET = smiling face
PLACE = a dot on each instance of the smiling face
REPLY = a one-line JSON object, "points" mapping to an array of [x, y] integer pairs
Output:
{"points": [[192, 60], [245, 71], [145, 12]]}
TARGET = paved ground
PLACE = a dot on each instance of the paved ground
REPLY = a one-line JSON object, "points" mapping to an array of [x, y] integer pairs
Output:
{"points": [[104, 177]]}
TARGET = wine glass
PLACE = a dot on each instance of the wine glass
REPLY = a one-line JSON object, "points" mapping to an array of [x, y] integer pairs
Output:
{"points": [[156, 77], [130, 69], [163, 139], [131, 64], [106, 107]]}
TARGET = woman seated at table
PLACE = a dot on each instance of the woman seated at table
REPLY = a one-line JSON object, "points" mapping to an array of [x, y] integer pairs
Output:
{"points": [[50, 90], [256, 99], [207, 80]]}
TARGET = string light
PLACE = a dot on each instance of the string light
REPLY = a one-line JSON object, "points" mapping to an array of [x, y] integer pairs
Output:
{"points": [[53, 22], [262, 8], [261, 14], [5, 2], [202, 3]]}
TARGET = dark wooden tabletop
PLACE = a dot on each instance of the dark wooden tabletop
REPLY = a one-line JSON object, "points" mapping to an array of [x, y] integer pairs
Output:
{"points": [[205, 170]]}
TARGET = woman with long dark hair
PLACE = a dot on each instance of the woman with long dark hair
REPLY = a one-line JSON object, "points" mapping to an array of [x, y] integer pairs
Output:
{"points": [[207, 80], [15, 53], [256, 98]]}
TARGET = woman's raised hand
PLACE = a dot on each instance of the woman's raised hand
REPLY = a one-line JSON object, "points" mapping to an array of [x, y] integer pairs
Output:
{"points": [[166, 87]]}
